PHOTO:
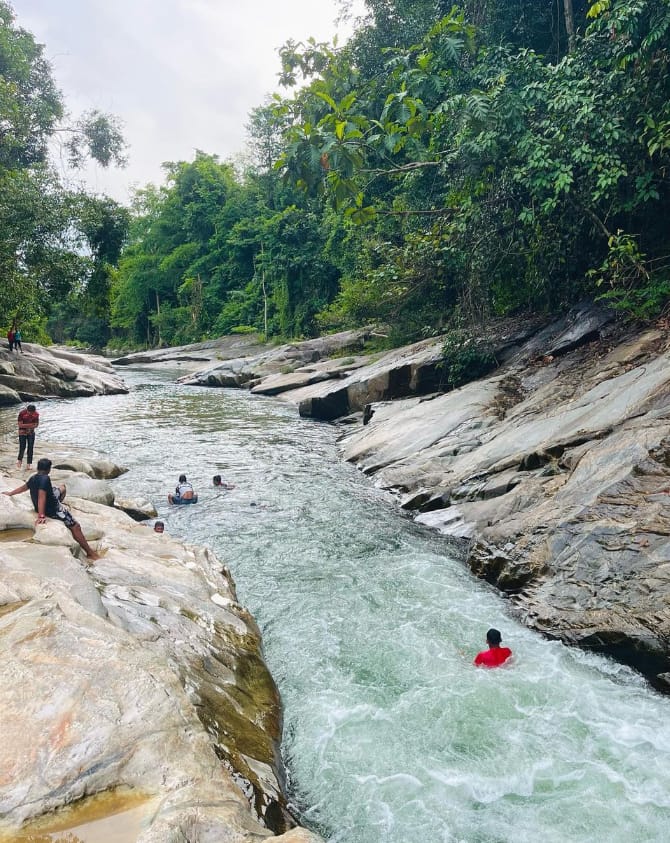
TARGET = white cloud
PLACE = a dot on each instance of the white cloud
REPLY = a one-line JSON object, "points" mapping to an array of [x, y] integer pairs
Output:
{"points": [[180, 74]]}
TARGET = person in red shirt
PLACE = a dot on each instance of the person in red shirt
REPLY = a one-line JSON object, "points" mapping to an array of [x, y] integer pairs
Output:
{"points": [[29, 419], [495, 655]]}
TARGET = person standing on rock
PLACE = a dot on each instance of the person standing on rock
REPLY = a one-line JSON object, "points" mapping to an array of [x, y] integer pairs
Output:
{"points": [[17, 340], [48, 503], [495, 655], [10, 338], [29, 420]]}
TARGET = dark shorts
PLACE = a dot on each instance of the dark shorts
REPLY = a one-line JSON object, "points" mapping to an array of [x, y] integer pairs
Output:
{"points": [[63, 513], [178, 499]]}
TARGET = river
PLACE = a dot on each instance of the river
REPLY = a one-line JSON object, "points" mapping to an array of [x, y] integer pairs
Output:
{"points": [[370, 627]]}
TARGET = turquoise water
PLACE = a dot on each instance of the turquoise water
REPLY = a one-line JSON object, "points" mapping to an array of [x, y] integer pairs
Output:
{"points": [[370, 627]]}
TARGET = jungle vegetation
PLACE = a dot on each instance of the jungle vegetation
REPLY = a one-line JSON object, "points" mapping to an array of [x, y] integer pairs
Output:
{"points": [[447, 165]]}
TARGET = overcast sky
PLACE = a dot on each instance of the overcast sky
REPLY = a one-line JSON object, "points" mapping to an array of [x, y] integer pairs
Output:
{"points": [[180, 74]]}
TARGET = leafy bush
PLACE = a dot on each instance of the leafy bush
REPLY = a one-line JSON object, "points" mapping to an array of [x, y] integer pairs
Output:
{"points": [[466, 358]]}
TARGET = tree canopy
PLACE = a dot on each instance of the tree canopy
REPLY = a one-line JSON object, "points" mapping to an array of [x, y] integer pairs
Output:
{"points": [[447, 164], [55, 242]]}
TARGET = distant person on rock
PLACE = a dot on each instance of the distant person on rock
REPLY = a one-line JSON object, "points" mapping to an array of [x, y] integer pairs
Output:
{"points": [[48, 503], [217, 481], [17, 340], [495, 655], [10, 338], [28, 420], [183, 492]]}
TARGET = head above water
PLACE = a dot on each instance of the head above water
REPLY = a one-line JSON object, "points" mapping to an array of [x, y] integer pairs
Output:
{"points": [[159, 526], [216, 480], [493, 637], [44, 465], [182, 478]]}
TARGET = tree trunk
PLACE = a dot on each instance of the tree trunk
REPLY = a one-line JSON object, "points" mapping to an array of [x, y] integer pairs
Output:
{"points": [[265, 296], [569, 24]]}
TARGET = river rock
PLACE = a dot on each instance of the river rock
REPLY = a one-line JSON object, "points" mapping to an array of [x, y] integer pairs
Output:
{"points": [[555, 474], [209, 351], [284, 359], [139, 509], [41, 372], [139, 674], [80, 485]]}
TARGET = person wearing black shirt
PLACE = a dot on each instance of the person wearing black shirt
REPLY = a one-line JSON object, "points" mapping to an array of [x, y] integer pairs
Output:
{"points": [[47, 502]]}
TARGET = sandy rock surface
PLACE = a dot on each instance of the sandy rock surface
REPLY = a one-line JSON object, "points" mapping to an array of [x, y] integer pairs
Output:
{"points": [[140, 675]]}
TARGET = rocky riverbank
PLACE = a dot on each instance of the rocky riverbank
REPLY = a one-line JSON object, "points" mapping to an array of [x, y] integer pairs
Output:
{"points": [[40, 372], [551, 475], [134, 687]]}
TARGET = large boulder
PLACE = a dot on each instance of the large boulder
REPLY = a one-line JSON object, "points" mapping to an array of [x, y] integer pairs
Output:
{"points": [[134, 684], [555, 475], [41, 372]]}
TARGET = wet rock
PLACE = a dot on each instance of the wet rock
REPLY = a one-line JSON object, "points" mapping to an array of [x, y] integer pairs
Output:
{"points": [[139, 509], [141, 673], [8, 396], [40, 372], [560, 484]]}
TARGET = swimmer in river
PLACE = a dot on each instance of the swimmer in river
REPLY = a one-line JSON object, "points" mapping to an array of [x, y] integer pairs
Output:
{"points": [[218, 482], [495, 655]]}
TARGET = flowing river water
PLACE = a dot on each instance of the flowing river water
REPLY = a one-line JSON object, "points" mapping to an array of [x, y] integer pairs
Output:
{"points": [[370, 627]]}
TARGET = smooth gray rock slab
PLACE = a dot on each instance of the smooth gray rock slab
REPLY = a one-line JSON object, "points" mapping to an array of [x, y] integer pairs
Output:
{"points": [[241, 371], [41, 372], [556, 473]]}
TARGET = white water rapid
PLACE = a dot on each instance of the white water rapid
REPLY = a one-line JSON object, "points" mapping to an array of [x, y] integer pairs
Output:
{"points": [[370, 628]]}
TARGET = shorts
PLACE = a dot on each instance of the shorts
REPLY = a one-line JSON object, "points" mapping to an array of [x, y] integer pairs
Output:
{"points": [[63, 513]]}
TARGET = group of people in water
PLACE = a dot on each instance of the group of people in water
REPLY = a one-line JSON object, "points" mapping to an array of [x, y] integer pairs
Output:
{"points": [[185, 493], [48, 500]]}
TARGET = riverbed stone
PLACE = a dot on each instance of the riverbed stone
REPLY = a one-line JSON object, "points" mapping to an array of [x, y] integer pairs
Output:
{"points": [[139, 509], [140, 672], [554, 473], [283, 359], [41, 372]]}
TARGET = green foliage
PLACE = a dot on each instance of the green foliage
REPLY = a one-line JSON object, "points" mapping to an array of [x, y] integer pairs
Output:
{"points": [[448, 164], [465, 357], [56, 244], [507, 172]]}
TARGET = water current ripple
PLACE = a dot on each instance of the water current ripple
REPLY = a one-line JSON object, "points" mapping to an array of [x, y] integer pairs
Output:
{"points": [[370, 628]]}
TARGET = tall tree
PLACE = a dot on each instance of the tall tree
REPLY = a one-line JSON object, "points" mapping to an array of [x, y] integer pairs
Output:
{"points": [[42, 242]]}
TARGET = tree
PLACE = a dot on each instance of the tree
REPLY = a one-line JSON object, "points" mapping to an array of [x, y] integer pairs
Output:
{"points": [[536, 173], [43, 244]]}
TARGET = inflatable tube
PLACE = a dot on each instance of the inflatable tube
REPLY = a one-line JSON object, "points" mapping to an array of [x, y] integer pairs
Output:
{"points": [[174, 499]]}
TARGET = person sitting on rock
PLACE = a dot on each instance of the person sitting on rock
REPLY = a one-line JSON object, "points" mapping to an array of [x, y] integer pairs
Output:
{"points": [[495, 655], [48, 503], [217, 481], [183, 492]]}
